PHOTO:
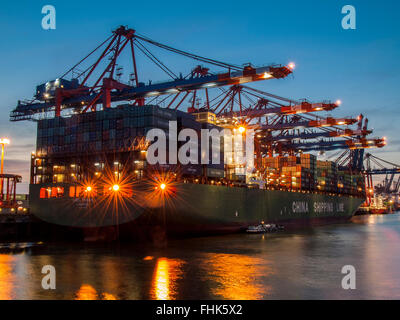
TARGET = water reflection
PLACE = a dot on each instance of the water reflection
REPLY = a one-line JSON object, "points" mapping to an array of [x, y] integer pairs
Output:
{"points": [[164, 285], [108, 296], [238, 277], [87, 292], [7, 277], [304, 264]]}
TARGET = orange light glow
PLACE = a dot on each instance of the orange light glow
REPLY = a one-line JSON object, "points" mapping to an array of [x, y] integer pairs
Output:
{"points": [[108, 195], [167, 272], [7, 277], [266, 75], [4, 141], [242, 129], [291, 65], [148, 258], [162, 190], [108, 296], [86, 292], [338, 102], [237, 276]]}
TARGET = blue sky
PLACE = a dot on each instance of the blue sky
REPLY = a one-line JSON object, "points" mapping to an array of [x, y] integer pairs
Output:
{"points": [[361, 67]]}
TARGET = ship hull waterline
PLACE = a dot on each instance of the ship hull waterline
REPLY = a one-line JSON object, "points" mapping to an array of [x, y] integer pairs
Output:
{"points": [[195, 209]]}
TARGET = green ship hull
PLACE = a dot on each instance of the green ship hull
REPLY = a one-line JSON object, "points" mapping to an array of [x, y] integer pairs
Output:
{"points": [[195, 209]]}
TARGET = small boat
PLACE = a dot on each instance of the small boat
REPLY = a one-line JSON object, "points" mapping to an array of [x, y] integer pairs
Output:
{"points": [[256, 229], [263, 228]]}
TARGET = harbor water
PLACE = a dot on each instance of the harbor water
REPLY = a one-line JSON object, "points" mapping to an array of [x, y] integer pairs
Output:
{"points": [[306, 264]]}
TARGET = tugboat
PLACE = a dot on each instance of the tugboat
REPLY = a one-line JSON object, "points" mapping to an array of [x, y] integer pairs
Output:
{"points": [[256, 229], [264, 228]]}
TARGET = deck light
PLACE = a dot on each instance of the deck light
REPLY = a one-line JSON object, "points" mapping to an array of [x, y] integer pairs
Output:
{"points": [[266, 75]]}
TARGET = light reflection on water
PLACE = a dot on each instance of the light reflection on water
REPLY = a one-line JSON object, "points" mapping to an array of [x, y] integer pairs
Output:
{"points": [[7, 277], [167, 272], [237, 276], [87, 292], [306, 264]]}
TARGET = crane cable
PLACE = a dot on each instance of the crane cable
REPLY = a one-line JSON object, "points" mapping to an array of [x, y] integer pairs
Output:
{"points": [[190, 55], [94, 50]]}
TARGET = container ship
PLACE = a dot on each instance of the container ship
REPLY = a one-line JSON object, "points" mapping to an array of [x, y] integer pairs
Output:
{"points": [[80, 180], [90, 168]]}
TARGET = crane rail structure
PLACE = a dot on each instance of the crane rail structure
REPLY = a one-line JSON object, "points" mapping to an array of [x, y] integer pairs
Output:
{"points": [[62, 94], [282, 125]]}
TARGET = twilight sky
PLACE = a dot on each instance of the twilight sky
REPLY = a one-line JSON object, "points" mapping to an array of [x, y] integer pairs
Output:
{"points": [[361, 67]]}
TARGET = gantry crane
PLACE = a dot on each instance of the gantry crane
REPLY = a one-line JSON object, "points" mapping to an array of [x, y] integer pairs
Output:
{"points": [[106, 88], [294, 131], [380, 169], [283, 123], [340, 144], [97, 84]]}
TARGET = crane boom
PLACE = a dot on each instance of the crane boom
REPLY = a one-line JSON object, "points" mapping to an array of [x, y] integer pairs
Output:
{"points": [[313, 135], [304, 107], [63, 94], [325, 122], [337, 144]]}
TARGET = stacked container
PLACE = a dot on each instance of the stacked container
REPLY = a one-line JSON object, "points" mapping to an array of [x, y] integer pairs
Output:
{"points": [[327, 179], [100, 131], [295, 177], [113, 131]]}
